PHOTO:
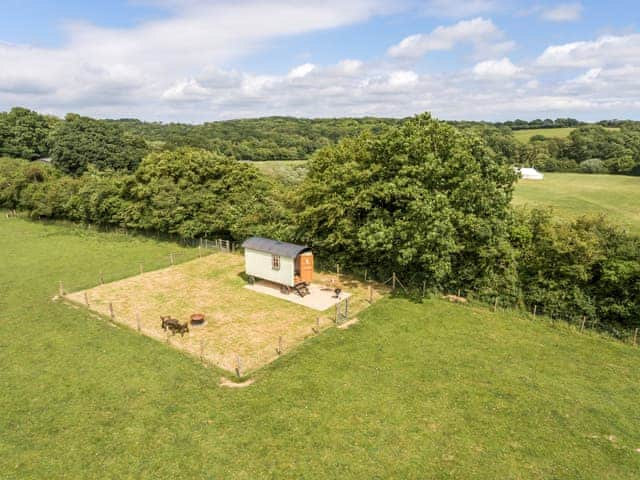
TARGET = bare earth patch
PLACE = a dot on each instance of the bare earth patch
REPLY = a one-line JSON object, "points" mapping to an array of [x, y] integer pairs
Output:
{"points": [[348, 323], [225, 382], [240, 323]]}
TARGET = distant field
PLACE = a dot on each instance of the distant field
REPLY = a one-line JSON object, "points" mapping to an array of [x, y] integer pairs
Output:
{"points": [[571, 194], [576, 194], [525, 135]]}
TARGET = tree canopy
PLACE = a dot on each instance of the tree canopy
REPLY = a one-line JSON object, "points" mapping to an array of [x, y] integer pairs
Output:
{"points": [[24, 133], [79, 142], [423, 199]]}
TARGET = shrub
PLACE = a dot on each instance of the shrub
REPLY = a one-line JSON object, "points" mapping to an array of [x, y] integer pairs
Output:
{"points": [[593, 165]]}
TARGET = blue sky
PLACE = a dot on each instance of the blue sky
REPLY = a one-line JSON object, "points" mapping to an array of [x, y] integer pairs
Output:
{"points": [[198, 60]]}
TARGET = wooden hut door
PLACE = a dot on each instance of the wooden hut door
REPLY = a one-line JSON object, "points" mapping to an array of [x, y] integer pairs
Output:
{"points": [[306, 268]]}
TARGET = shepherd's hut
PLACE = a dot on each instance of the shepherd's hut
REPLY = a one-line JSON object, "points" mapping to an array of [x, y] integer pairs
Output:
{"points": [[283, 263]]}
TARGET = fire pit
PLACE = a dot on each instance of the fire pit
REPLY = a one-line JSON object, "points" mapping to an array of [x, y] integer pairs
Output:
{"points": [[197, 319]]}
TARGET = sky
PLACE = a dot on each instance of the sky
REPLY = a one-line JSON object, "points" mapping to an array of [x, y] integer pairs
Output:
{"points": [[204, 60]]}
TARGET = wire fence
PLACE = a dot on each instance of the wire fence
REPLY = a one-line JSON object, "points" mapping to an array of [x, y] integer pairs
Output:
{"points": [[213, 242], [399, 284], [418, 289]]}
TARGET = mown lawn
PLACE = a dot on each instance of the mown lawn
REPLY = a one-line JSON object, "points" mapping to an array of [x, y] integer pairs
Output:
{"points": [[414, 390], [575, 194]]}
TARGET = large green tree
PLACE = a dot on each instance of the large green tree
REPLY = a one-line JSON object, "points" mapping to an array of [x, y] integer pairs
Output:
{"points": [[424, 199], [80, 141], [24, 133], [196, 193]]}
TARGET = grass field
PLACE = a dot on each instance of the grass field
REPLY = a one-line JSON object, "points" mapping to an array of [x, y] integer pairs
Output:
{"points": [[414, 390], [240, 322], [570, 194], [574, 194], [526, 134]]}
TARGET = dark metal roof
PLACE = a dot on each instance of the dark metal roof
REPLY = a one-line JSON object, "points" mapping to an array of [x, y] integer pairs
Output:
{"points": [[274, 246]]}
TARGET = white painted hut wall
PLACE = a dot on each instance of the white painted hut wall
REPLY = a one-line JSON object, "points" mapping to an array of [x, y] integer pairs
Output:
{"points": [[258, 264]]}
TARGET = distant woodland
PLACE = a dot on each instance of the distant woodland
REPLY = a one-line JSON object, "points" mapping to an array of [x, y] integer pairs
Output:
{"points": [[75, 142]]}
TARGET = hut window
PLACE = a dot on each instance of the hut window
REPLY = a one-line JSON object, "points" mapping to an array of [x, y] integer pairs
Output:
{"points": [[275, 262]]}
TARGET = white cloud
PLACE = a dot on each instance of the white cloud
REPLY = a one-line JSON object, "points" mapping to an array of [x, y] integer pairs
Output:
{"points": [[503, 68], [403, 78], [101, 67], [532, 84], [478, 32], [185, 91], [254, 85], [612, 83], [606, 50], [589, 77], [565, 12], [350, 67], [301, 70], [172, 69]]}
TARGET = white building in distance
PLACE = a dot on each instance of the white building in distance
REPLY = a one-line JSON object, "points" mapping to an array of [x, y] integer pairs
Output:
{"points": [[527, 173]]}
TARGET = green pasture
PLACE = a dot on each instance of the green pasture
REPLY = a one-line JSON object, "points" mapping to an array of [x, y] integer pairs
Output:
{"points": [[575, 194], [525, 135], [570, 194], [414, 390]]}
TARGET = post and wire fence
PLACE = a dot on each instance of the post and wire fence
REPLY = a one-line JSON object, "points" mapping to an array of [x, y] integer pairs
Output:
{"points": [[418, 288], [397, 283]]}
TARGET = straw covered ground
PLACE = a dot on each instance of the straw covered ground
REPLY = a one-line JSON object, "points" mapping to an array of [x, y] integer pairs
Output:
{"points": [[239, 322]]}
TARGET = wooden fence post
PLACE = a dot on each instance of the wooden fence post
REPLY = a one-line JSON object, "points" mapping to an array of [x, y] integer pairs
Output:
{"points": [[495, 304], [393, 281], [199, 251], [86, 299], [424, 288], [535, 307], [279, 349], [365, 274], [171, 258], [635, 337], [238, 366], [584, 319], [111, 314]]}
